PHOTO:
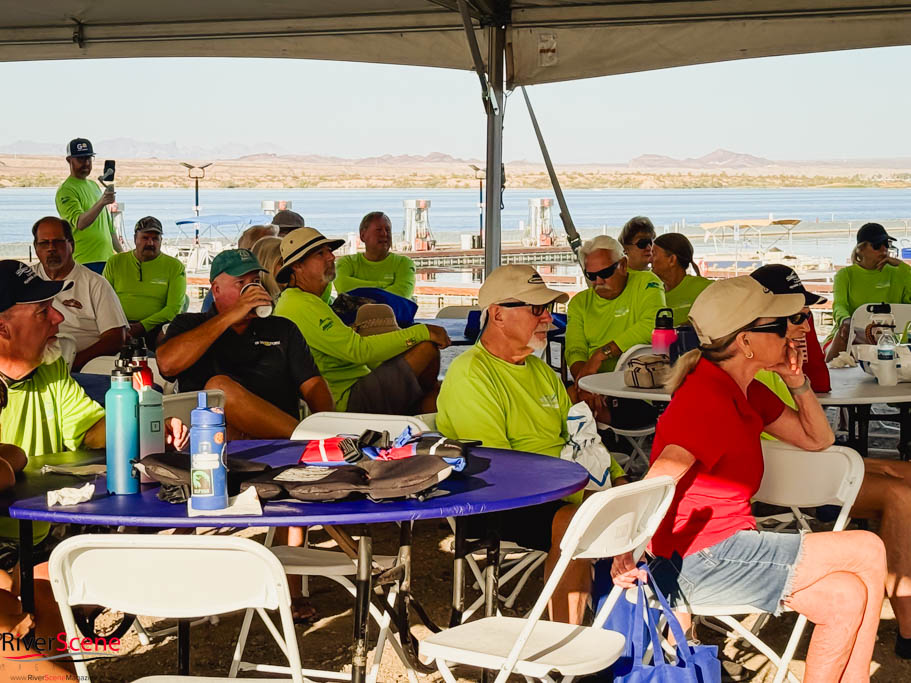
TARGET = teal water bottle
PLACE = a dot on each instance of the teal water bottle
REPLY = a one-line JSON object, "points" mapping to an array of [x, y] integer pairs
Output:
{"points": [[151, 425], [208, 471], [121, 405]]}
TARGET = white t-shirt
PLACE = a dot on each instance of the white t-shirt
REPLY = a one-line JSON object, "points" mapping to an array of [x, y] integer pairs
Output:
{"points": [[89, 309]]}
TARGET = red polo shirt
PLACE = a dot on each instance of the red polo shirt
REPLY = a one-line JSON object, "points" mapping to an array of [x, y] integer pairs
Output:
{"points": [[711, 418]]}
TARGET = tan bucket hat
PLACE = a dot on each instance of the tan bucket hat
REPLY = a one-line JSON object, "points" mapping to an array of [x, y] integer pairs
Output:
{"points": [[725, 306], [517, 282], [375, 319], [300, 243]]}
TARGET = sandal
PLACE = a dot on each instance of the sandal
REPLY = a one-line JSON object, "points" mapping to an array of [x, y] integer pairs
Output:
{"points": [[302, 612]]}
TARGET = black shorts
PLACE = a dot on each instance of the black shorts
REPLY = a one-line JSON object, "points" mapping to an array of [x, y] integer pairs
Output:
{"points": [[530, 527], [391, 389]]}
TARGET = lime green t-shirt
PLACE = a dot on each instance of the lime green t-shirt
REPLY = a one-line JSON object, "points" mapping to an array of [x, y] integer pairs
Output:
{"points": [[855, 286], [395, 274], [774, 382], [341, 354], [74, 198], [504, 405], [151, 292], [680, 299], [47, 412], [593, 321]]}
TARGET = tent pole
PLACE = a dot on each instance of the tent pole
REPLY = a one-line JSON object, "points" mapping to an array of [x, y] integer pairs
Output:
{"points": [[496, 40]]}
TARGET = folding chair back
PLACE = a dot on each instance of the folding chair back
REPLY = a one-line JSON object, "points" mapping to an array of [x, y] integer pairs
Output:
{"points": [[797, 478], [324, 425], [178, 577], [630, 353], [862, 317], [181, 405]]}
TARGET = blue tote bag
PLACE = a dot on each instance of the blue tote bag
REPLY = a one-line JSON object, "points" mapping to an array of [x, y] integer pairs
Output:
{"points": [[695, 664]]}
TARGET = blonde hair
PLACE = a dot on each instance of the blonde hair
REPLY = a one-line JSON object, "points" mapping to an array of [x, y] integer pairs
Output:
{"points": [[600, 242], [253, 234], [267, 251], [719, 350], [855, 252]]}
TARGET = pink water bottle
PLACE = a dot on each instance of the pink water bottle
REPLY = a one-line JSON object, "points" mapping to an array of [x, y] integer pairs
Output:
{"points": [[664, 334]]}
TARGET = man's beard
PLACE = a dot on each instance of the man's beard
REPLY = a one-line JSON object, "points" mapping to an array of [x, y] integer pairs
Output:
{"points": [[52, 352], [54, 261], [536, 344]]}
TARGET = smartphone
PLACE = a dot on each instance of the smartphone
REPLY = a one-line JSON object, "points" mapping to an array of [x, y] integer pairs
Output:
{"points": [[108, 174]]}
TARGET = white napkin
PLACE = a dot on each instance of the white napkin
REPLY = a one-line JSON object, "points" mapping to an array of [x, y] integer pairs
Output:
{"points": [[247, 503], [70, 496], [843, 360]]}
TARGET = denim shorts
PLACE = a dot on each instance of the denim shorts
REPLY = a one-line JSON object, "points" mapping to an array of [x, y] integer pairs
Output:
{"points": [[750, 568]]}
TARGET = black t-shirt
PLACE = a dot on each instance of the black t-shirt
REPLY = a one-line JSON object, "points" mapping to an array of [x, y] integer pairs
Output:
{"points": [[270, 359]]}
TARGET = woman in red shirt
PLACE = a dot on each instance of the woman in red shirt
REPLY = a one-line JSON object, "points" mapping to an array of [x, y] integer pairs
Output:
{"points": [[708, 440]]}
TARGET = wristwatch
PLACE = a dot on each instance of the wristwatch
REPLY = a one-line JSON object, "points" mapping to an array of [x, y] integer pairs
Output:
{"points": [[607, 350], [803, 388]]}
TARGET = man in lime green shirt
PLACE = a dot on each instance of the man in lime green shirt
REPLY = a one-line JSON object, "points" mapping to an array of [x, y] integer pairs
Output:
{"points": [[82, 203], [151, 286], [616, 312], [377, 266], [501, 394], [392, 373]]}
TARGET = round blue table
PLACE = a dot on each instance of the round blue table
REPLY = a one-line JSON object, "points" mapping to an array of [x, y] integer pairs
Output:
{"points": [[502, 480]]}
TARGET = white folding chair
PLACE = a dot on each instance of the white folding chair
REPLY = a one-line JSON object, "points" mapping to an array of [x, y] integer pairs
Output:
{"points": [[324, 425], [795, 479], [635, 437], [607, 524], [456, 311], [162, 576], [863, 315], [102, 365]]}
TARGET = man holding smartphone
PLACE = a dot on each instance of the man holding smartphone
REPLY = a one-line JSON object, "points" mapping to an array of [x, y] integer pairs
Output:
{"points": [[82, 203]]}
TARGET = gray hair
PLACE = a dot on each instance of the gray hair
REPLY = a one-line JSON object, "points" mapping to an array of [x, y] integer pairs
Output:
{"points": [[600, 242], [634, 226]]}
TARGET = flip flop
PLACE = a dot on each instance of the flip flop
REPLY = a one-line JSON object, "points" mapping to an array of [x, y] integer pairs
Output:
{"points": [[302, 612]]}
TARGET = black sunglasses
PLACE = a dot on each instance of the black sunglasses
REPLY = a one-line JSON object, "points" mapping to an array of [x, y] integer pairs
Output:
{"points": [[536, 309], [799, 318], [644, 243], [779, 326], [604, 273]]}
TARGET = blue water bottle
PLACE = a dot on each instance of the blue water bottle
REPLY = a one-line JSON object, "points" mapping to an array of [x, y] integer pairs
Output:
{"points": [[208, 473], [121, 404]]}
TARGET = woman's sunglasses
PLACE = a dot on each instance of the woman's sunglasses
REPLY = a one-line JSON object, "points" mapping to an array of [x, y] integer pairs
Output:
{"points": [[779, 326], [536, 309], [644, 243], [604, 273], [799, 318]]}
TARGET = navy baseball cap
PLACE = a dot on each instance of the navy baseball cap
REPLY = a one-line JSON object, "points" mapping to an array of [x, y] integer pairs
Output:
{"points": [[80, 147], [873, 233], [19, 284], [782, 279]]}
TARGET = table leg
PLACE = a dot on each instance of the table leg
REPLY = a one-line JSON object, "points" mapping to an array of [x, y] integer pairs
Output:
{"points": [[183, 647], [904, 421], [458, 574], [863, 429], [361, 607], [26, 566]]}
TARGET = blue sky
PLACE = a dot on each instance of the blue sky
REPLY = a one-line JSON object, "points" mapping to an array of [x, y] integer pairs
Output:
{"points": [[832, 105]]}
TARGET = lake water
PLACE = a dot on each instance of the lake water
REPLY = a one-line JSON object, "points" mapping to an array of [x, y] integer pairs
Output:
{"points": [[456, 211]]}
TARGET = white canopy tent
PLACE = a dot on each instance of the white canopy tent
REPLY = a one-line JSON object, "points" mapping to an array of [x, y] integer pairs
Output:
{"points": [[523, 42]]}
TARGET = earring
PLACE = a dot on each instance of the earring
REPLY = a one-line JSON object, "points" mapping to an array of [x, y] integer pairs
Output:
{"points": [[749, 355]]}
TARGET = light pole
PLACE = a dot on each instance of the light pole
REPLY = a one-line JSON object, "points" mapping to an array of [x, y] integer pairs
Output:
{"points": [[196, 172], [480, 174]]}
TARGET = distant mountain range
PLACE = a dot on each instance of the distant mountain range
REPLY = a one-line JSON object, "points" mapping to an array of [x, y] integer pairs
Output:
{"points": [[719, 160]]}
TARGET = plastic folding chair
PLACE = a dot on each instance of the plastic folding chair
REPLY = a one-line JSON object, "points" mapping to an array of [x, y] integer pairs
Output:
{"points": [[102, 365], [162, 576], [862, 317], [324, 425], [607, 524], [795, 479], [180, 405], [635, 437]]}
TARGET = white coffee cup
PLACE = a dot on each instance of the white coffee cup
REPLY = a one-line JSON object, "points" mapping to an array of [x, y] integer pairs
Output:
{"points": [[263, 311]]}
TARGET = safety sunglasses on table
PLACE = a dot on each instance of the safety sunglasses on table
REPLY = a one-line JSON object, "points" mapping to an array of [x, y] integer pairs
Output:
{"points": [[536, 309], [604, 273]]}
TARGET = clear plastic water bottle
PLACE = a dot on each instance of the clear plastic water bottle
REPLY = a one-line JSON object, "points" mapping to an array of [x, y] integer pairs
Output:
{"points": [[886, 370], [121, 405], [208, 470]]}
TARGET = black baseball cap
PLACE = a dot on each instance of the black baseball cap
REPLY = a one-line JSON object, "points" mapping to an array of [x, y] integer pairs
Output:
{"points": [[873, 233], [19, 284], [80, 147], [780, 279]]}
